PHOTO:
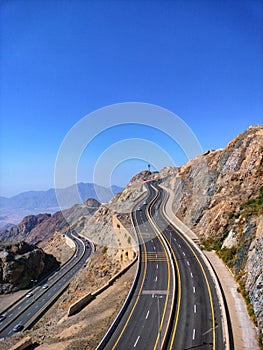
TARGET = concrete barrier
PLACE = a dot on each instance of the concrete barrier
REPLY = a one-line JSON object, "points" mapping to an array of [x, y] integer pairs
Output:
{"points": [[74, 308], [23, 344], [84, 301], [70, 242]]}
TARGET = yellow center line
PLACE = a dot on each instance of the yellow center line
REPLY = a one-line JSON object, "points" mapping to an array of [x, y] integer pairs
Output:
{"points": [[206, 280], [168, 279], [138, 296], [140, 290]]}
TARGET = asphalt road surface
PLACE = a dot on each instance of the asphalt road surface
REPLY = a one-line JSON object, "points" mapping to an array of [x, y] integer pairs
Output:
{"points": [[144, 324], [29, 309], [197, 318], [164, 313]]}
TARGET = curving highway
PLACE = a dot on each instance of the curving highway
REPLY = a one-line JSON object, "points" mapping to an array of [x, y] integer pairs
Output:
{"points": [[25, 312], [197, 318], [145, 322], [174, 304]]}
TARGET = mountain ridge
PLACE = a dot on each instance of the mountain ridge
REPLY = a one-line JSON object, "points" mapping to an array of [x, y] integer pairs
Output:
{"points": [[13, 209]]}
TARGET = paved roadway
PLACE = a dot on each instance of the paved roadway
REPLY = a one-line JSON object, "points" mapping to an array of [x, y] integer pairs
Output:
{"points": [[144, 324], [28, 310], [195, 321], [197, 318]]}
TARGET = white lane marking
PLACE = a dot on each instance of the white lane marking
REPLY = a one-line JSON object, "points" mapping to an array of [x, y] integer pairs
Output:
{"points": [[157, 266], [147, 314], [136, 341], [192, 275], [154, 248], [194, 334], [175, 239], [19, 308], [179, 245], [156, 278], [10, 315], [194, 309], [152, 295], [156, 256], [151, 240], [188, 263], [183, 253], [28, 314], [194, 290]]}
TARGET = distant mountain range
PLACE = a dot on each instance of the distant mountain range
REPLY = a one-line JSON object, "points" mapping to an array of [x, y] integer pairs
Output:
{"points": [[13, 209]]}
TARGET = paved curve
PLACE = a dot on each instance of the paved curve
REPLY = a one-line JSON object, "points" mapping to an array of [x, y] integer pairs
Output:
{"points": [[28, 310], [145, 321], [197, 319]]}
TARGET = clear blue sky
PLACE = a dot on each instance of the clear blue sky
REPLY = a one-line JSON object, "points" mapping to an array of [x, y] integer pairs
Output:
{"points": [[61, 60]]}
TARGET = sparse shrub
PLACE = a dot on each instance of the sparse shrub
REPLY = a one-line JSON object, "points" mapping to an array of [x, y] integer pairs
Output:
{"points": [[104, 250], [129, 240], [260, 341], [228, 255], [231, 215], [253, 206], [211, 244], [242, 289], [219, 189]]}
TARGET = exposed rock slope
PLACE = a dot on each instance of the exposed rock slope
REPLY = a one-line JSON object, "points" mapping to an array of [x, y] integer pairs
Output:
{"points": [[219, 195], [20, 263]]}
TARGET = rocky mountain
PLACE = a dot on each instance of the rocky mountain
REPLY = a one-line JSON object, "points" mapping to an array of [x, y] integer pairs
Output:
{"points": [[35, 228], [20, 263], [34, 202], [220, 196]]}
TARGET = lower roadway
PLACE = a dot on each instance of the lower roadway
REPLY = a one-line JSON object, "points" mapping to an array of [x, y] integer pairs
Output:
{"points": [[28, 310]]}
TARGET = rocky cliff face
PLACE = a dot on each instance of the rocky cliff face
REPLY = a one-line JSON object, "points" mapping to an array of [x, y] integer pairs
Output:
{"points": [[219, 195], [20, 263]]}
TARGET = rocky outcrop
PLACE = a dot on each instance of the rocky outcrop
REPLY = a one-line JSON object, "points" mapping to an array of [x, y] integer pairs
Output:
{"points": [[142, 176], [23, 229], [219, 195], [20, 263], [210, 187]]}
